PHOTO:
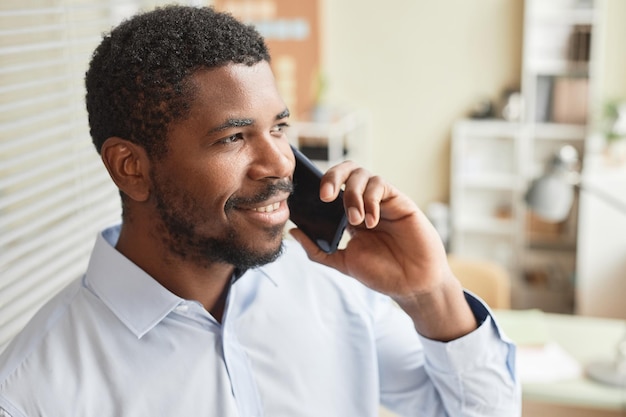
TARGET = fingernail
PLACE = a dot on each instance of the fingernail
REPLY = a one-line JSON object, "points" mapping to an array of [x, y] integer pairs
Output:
{"points": [[327, 192], [354, 215]]}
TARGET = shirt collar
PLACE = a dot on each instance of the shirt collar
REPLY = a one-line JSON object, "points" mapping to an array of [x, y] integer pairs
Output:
{"points": [[136, 298]]}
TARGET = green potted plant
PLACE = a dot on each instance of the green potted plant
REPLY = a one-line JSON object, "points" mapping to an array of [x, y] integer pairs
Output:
{"points": [[615, 129]]}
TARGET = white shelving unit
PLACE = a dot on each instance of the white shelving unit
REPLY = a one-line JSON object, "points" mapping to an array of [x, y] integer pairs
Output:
{"points": [[326, 143], [493, 161], [486, 188]]}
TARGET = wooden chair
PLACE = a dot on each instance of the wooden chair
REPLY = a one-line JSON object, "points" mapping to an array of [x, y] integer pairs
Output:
{"points": [[487, 279]]}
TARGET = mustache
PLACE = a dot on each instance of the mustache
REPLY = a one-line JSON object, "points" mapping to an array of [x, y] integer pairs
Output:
{"points": [[271, 189]]}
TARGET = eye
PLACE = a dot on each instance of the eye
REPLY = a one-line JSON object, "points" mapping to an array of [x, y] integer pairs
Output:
{"points": [[231, 138], [280, 128]]}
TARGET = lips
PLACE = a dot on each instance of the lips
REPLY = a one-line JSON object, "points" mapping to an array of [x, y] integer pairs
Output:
{"points": [[266, 201]]}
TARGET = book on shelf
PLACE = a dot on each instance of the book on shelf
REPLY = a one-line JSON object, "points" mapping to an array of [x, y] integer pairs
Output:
{"points": [[580, 43], [569, 100]]}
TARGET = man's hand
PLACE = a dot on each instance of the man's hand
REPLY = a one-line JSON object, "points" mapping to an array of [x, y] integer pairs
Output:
{"points": [[395, 250]]}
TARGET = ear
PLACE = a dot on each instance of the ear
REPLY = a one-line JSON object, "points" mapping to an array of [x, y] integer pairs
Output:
{"points": [[128, 165]]}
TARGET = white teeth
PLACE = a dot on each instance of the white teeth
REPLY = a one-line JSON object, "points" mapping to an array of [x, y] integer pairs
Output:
{"points": [[267, 209]]}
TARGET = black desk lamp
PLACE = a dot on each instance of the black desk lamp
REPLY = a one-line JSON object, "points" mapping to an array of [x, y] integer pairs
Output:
{"points": [[550, 197]]}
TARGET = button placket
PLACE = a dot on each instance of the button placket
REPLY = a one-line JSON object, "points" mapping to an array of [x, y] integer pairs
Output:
{"points": [[238, 365]]}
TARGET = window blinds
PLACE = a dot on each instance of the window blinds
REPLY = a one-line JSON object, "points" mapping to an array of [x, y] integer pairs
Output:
{"points": [[54, 191]]}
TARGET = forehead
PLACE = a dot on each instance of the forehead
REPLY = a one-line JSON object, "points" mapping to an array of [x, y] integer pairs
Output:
{"points": [[236, 89]]}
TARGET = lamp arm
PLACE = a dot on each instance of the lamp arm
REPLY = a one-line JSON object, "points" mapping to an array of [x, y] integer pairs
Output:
{"points": [[604, 196]]}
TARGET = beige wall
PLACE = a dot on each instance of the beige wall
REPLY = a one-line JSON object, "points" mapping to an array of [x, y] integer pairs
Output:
{"points": [[417, 66], [613, 51]]}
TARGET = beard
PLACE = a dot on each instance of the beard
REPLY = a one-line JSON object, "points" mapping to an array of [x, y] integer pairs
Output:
{"points": [[180, 214]]}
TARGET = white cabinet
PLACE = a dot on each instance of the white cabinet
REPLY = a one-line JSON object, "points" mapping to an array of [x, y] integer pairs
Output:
{"points": [[485, 191], [601, 260], [493, 161]]}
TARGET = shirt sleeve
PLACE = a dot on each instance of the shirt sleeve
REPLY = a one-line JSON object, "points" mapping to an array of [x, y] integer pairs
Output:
{"points": [[468, 377], [4, 413]]}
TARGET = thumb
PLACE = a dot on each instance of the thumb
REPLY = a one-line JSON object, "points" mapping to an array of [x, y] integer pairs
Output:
{"points": [[313, 251]]}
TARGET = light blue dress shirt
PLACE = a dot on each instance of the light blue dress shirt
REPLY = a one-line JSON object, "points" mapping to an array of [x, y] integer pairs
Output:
{"points": [[297, 339]]}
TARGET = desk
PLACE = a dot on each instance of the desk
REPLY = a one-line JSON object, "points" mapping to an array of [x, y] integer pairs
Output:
{"points": [[586, 339]]}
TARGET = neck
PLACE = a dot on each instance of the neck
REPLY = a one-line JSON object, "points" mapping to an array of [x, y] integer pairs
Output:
{"points": [[207, 284]]}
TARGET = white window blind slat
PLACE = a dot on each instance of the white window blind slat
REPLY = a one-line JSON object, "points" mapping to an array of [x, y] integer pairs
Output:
{"points": [[29, 49], [44, 64], [64, 235], [46, 148], [32, 30], [34, 84], [12, 298], [43, 179], [64, 243], [48, 118], [61, 163], [38, 137], [46, 46], [36, 101], [55, 194], [48, 210], [18, 10]]}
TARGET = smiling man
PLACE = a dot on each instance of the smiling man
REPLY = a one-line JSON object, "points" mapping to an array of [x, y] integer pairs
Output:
{"points": [[195, 305]]}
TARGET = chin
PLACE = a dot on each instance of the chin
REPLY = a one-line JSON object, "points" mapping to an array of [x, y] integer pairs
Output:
{"points": [[246, 259]]}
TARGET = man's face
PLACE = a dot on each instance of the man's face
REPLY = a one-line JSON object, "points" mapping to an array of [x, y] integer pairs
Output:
{"points": [[221, 190]]}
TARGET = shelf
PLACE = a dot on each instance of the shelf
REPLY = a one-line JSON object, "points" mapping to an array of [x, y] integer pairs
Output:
{"points": [[546, 13], [491, 128], [331, 141], [490, 180], [557, 131], [486, 225], [557, 67], [547, 243]]}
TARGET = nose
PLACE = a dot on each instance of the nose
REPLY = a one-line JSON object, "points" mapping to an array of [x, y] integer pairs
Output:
{"points": [[272, 158]]}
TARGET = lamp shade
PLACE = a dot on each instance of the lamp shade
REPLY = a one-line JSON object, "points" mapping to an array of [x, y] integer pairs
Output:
{"points": [[550, 197]]}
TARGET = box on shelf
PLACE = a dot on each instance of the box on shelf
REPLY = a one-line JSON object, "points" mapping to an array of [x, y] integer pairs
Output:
{"points": [[569, 100]]}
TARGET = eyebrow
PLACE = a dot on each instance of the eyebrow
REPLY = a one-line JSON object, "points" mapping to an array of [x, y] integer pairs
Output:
{"points": [[283, 114], [230, 123]]}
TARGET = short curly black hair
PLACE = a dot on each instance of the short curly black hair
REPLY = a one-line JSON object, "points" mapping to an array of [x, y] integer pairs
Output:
{"points": [[138, 80]]}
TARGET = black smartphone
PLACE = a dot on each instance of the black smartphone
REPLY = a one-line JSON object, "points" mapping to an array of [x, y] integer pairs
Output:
{"points": [[324, 223]]}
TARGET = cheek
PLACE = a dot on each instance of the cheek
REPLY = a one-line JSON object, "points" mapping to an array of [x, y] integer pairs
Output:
{"points": [[214, 186]]}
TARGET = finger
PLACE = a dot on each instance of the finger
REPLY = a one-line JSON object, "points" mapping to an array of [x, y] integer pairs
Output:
{"points": [[356, 184], [334, 179], [372, 198], [314, 252], [308, 245]]}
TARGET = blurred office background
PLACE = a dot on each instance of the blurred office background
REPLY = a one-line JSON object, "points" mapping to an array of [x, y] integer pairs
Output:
{"points": [[387, 84], [460, 104]]}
